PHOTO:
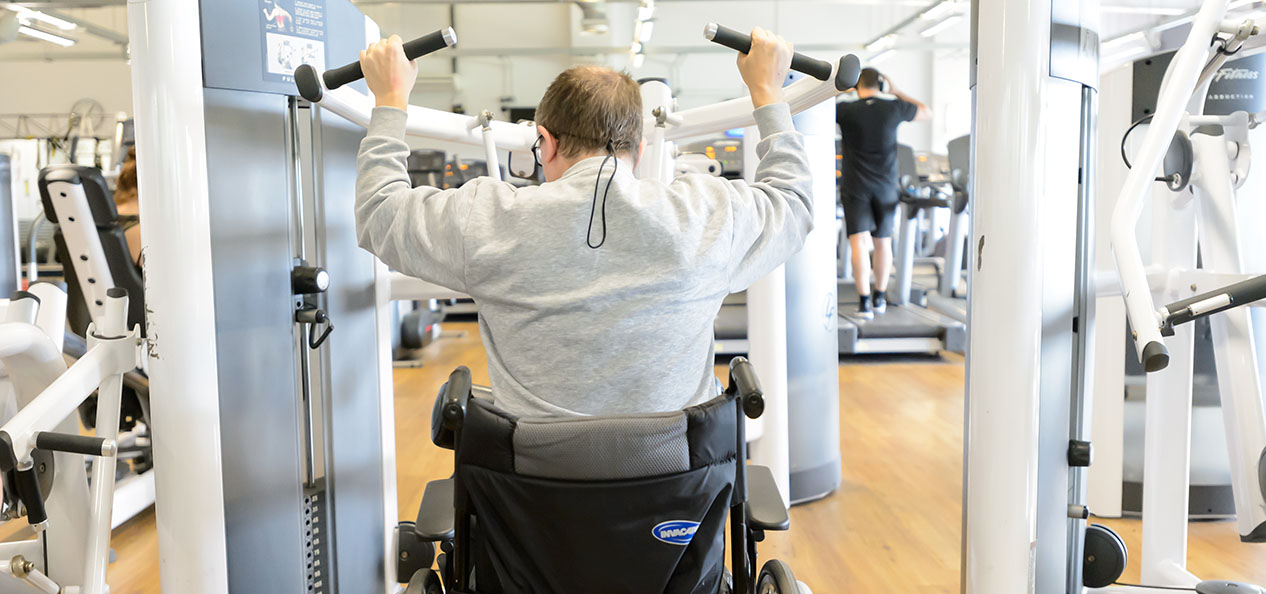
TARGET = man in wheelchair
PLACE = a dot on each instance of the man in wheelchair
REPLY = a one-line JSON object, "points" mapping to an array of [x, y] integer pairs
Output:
{"points": [[632, 504], [546, 498]]}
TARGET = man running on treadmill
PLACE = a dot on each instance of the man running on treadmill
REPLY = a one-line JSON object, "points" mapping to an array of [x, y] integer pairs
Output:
{"points": [[597, 290], [869, 185]]}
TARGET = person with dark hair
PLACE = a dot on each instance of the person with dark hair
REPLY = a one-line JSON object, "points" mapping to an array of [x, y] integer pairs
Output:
{"points": [[869, 185], [596, 290], [128, 205]]}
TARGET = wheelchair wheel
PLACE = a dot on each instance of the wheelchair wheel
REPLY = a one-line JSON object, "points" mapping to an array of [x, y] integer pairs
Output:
{"points": [[776, 578], [425, 582]]}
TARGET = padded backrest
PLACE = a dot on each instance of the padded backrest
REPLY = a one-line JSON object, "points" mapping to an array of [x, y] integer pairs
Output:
{"points": [[959, 151], [90, 244], [602, 448], [599, 448]]}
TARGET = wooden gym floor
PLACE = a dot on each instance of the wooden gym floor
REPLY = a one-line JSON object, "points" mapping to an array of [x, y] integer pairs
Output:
{"points": [[894, 526]]}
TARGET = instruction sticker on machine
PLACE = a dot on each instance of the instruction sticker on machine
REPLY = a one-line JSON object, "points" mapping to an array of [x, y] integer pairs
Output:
{"points": [[294, 34]]}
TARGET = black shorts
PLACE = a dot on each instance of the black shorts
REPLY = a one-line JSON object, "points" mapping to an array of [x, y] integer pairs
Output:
{"points": [[870, 210]]}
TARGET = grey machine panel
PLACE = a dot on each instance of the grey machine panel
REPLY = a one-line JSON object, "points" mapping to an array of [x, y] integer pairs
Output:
{"points": [[259, 401], [1075, 41], [233, 43], [1236, 87], [249, 159]]}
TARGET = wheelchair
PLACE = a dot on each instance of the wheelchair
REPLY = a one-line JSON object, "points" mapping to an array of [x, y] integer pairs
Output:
{"points": [[631, 504]]}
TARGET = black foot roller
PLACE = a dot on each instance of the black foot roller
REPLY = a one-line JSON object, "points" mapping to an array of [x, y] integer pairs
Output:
{"points": [[1104, 557]]}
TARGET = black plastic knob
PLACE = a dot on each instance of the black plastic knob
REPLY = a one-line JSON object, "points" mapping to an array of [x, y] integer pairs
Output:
{"points": [[1080, 453], [306, 280]]}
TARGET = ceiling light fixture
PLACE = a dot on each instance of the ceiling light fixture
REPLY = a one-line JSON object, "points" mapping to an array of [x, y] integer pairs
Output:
{"points": [[27, 14], [881, 56], [883, 43], [46, 36]]}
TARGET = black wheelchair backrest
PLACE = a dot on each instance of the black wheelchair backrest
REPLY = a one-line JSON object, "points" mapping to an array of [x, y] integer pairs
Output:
{"points": [[632, 503]]}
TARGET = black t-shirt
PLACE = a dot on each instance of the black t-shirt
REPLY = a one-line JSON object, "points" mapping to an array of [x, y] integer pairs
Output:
{"points": [[869, 131]]}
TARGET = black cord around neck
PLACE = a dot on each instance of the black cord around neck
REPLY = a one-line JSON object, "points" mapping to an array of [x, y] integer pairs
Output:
{"points": [[594, 206]]}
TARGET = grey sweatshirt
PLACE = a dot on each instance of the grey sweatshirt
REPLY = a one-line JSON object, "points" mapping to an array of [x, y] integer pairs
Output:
{"points": [[569, 330]]}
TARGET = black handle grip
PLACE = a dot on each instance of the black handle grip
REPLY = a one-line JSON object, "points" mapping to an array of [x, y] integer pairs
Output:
{"points": [[310, 88], [431, 42], [456, 397], [745, 385], [29, 492], [1237, 294], [742, 42], [74, 444]]}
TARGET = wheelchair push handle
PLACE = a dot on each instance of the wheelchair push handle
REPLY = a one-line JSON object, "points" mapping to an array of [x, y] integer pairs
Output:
{"points": [[745, 386], [850, 67], [311, 89], [458, 393]]}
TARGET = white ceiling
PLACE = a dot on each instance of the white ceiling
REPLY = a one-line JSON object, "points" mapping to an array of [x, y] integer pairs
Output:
{"points": [[105, 22]]}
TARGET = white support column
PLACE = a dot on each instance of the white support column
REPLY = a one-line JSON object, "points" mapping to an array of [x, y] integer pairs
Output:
{"points": [[657, 159], [1104, 488], [812, 325], [1167, 440], [1234, 347], [767, 349], [166, 56], [1015, 110], [387, 408]]}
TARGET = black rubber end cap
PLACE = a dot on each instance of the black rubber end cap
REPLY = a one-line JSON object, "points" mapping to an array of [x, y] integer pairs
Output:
{"points": [[1261, 473], [23, 295], [1155, 357], [8, 460], [1258, 535], [847, 74], [116, 292], [309, 83], [754, 405], [1222, 587]]}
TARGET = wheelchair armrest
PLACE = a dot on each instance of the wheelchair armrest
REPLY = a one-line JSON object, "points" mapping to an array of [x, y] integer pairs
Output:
{"points": [[765, 510], [435, 514]]}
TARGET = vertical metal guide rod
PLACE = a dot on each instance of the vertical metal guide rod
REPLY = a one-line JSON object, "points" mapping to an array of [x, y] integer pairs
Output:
{"points": [[298, 239]]}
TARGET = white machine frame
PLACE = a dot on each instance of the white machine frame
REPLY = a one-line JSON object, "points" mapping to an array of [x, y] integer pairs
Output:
{"points": [[135, 493], [47, 394], [1207, 214]]}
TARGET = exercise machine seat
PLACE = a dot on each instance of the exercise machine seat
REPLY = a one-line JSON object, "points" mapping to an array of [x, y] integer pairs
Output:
{"points": [[90, 271]]}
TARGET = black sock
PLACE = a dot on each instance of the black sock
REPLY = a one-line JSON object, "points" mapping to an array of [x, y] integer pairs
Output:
{"points": [[865, 301], [879, 295]]}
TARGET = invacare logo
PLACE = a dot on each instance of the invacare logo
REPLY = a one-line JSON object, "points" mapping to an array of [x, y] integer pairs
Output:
{"points": [[675, 532]]}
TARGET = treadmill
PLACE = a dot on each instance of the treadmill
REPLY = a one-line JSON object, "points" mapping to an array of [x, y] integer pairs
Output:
{"points": [[950, 294], [906, 327]]}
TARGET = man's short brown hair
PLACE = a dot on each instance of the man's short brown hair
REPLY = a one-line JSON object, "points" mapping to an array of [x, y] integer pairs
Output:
{"points": [[588, 106], [869, 79]]}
